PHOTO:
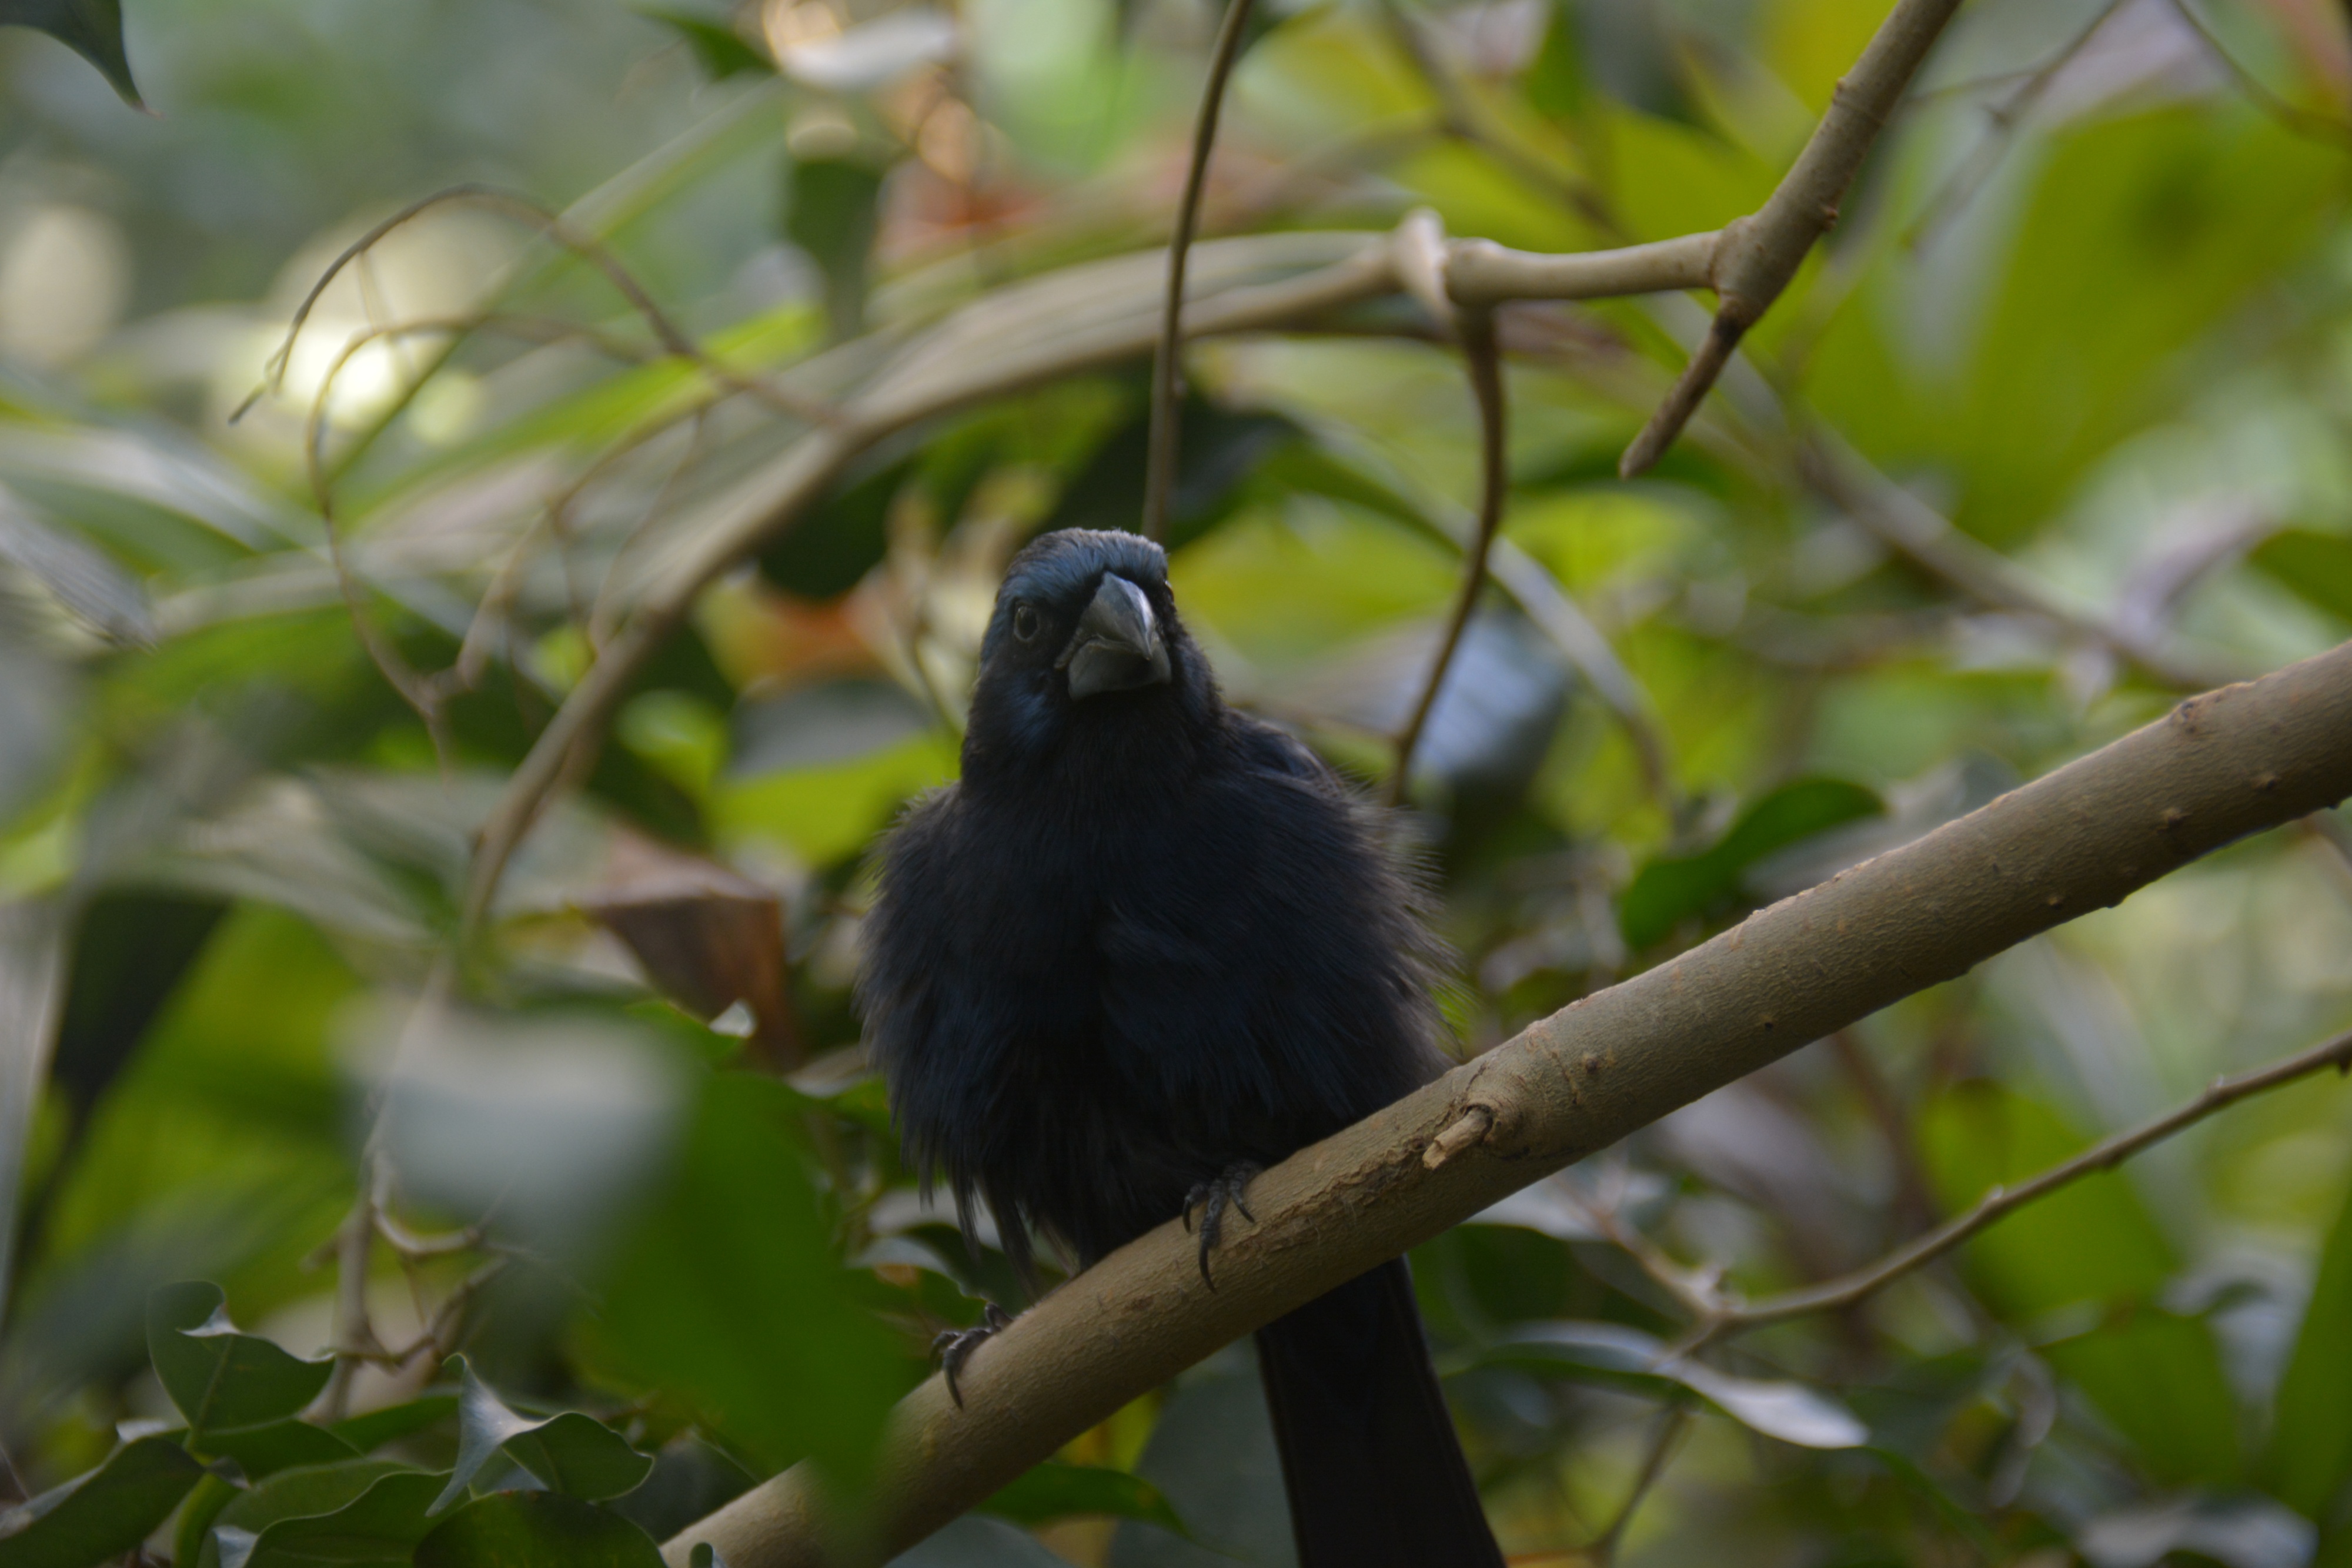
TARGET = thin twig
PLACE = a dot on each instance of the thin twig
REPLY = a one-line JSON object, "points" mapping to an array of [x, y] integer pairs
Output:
{"points": [[1483, 362], [552, 226], [441, 1334], [355, 1337], [1696, 1290], [1907, 524], [2294, 117], [600, 623], [1961, 185], [1673, 1422], [412, 688], [1460, 120], [1848, 1289], [1159, 454]]}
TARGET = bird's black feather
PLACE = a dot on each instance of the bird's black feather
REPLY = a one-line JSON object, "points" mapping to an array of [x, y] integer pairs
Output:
{"points": [[1143, 940]]}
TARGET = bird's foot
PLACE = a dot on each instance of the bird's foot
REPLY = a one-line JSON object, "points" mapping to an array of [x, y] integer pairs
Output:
{"points": [[954, 1346], [1213, 1199]]}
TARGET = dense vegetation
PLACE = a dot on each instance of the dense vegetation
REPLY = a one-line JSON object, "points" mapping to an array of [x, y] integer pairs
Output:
{"points": [[2052, 432]]}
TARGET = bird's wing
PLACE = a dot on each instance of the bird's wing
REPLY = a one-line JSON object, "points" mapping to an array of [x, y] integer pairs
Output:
{"points": [[1279, 752]]}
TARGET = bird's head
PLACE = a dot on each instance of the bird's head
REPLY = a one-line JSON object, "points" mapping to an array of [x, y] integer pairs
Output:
{"points": [[1085, 637]]}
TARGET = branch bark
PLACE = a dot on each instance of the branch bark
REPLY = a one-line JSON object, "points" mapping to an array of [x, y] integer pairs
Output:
{"points": [[2218, 767]]}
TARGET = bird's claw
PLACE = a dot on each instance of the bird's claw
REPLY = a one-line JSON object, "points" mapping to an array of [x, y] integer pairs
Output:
{"points": [[1212, 1197], [954, 1346]]}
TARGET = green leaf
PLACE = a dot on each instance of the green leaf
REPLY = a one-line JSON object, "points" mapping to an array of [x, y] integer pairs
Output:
{"points": [[2143, 233], [91, 29], [2317, 568], [218, 1377], [276, 1445], [381, 1526], [829, 812], [1055, 1491], [841, 539], [2157, 1378], [2310, 1456], [394, 1422], [1673, 889], [718, 47], [1613, 1352], [831, 211], [727, 1295], [304, 1492], [101, 1514], [1554, 83], [536, 1529], [573, 1453]]}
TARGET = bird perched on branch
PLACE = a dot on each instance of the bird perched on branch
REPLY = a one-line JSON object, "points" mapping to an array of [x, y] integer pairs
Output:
{"points": [[1144, 947]]}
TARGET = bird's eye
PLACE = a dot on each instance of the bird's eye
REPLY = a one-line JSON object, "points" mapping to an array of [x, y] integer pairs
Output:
{"points": [[1027, 623]]}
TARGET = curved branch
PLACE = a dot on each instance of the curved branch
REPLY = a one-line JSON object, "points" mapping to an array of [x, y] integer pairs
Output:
{"points": [[1483, 362], [522, 209], [2301, 121], [2218, 767]]}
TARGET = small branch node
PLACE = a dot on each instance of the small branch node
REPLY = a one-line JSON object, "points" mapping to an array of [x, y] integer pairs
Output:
{"points": [[1423, 260], [1471, 1127]]}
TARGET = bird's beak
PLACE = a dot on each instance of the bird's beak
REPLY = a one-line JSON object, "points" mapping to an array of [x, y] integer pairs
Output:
{"points": [[1117, 646]]}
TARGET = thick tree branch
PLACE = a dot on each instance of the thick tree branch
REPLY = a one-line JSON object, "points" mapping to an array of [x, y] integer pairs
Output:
{"points": [[2218, 767]]}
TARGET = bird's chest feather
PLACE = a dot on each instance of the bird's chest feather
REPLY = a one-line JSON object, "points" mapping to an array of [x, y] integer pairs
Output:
{"points": [[1069, 910]]}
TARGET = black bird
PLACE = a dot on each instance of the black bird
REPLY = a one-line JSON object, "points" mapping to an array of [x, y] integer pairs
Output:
{"points": [[1145, 946]]}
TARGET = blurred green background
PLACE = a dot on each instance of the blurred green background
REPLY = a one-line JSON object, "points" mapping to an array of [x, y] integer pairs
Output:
{"points": [[2091, 305]]}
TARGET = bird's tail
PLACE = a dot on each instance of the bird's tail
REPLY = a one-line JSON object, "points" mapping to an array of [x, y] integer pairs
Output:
{"points": [[1375, 1474]]}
